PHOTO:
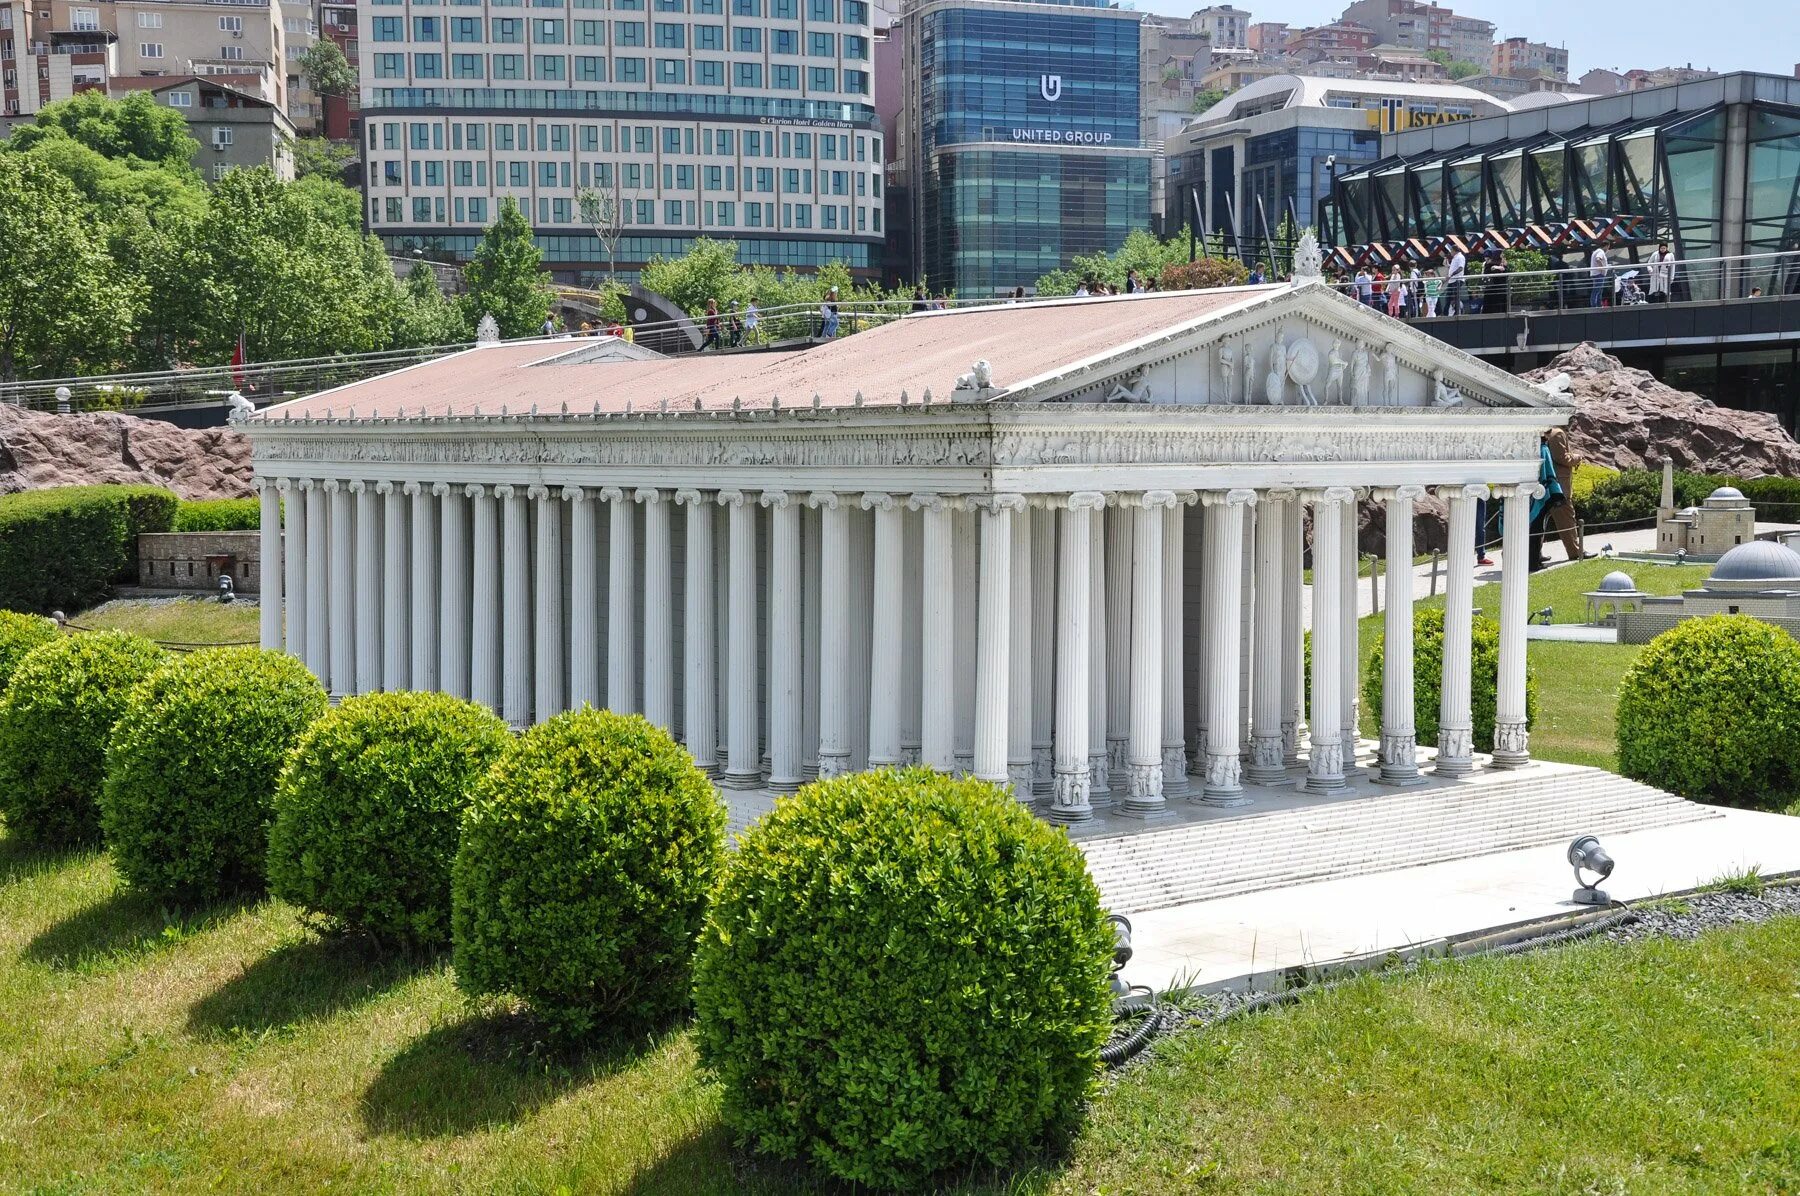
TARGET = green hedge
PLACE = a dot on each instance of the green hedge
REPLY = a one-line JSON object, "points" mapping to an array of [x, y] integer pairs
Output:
{"points": [[1428, 678], [1711, 710], [582, 873], [63, 547], [54, 723], [219, 515], [1633, 494], [903, 975], [192, 765], [19, 634], [367, 811]]}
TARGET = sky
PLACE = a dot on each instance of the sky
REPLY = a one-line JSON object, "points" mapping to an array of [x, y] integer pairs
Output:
{"points": [[1721, 35]]}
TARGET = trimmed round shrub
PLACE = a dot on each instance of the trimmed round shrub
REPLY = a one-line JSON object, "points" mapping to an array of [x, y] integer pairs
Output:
{"points": [[19, 634], [1428, 678], [1711, 710], [192, 765], [903, 973], [56, 715], [368, 807], [581, 877]]}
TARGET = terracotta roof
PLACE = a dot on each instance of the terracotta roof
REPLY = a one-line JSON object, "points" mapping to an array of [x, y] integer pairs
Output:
{"points": [[929, 349]]}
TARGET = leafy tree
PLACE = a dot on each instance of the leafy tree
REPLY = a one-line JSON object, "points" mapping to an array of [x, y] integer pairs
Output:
{"points": [[1171, 74], [322, 156], [604, 212], [114, 186], [1462, 70], [333, 202], [64, 305], [134, 127], [1141, 252], [1205, 99], [326, 70], [708, 270], [424, 316], [505, 277]]}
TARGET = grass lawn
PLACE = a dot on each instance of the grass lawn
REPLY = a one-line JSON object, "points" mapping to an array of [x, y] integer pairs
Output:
{"points": [[231, 1050], [178, 620]]}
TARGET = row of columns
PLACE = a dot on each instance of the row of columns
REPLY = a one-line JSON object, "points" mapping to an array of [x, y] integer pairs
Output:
{"points": [[1040, 642]]}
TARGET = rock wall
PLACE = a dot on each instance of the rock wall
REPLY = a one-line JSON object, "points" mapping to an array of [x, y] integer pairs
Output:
{"points": [[39, 448]]}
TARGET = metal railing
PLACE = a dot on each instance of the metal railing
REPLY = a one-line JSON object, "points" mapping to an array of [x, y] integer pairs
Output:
{"points": [[1580, 287]]}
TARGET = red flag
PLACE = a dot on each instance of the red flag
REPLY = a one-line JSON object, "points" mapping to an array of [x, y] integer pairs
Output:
{"points": [[237, 362]]}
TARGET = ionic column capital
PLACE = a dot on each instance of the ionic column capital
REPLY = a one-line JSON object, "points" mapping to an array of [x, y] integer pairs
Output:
{"points": [[441, 489], [574, 494], [475, 490], [1228, 498], [875, 500], [1007, 502], [1158, 500], [331, 486], [357, 487], [688, 495], [612, 494], [1329, 494], [731, 498], [1392, 493], [825, 500], [647, 495], [384, 487], [412, 489], [259, 484], [775, 500], [306, 485], [283, 485], [537, 492], [926, 502], [1085, 500], [504, 490], [1473, 490], [1518, 490], [1279, 494]]}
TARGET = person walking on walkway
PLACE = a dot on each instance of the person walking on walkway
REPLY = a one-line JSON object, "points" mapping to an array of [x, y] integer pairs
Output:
{"points": [[1597, 273], [1453, 283], [1662, 273], [828, 313], [752, 320], [712, 326]]}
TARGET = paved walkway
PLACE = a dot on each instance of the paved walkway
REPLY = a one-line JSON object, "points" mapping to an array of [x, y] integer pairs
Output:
{"points": [[1256, 940]]}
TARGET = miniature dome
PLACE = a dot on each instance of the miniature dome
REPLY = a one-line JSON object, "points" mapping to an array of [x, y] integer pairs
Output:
{"points": [[1758, 560], [1726, 494], [1617, 582]]}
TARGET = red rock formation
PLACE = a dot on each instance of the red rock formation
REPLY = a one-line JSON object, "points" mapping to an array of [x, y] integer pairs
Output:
{"points": [[39, 449]]}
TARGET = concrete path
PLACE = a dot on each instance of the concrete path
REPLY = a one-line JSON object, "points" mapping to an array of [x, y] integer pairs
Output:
{"points": [[1256, 940]]}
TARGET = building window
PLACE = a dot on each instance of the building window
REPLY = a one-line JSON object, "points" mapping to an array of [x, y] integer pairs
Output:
{"points": [[747, 74], [231, 53], [709, 74], [784, 77], [428, 66], [628, 33], [670, 36], [589, 69], [549, 66], [509, 66], [747, 39], [466, 66], [426, 29], [547, 33], [87, 20], [821, 78], [150, 49], [590, 33], [508, 29], [221, 136], [181, 99], [821, 45], [150, 20], [628, 70], [465, 29], [820, 10]]}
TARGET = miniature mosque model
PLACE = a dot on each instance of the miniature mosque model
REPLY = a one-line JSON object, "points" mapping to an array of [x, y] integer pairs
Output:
{"points": [[1057, 545], [1759, 578], [1708, 531]]}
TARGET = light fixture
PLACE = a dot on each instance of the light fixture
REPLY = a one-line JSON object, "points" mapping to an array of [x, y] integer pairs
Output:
{"points": [[226, 592], [1681, 556], [1121, 952], [1586, 855], [1606, 550], [1543, 616]]}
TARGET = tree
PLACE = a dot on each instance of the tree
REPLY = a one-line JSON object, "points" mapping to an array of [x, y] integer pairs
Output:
{"points": [[424, 316], [1205, 99], [321, 156], [504, 276], [134, 127], [708, 270], [1462, 70], [326, 70], [63, 304], [604, 212]]}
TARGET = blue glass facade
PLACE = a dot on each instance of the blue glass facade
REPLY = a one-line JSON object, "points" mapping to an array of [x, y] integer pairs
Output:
{"points": [[1283, 173], [1027, 147]]}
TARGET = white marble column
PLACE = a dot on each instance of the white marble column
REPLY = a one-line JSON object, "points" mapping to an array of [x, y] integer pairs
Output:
{"points": [[965, 579], [1349, 656], [862, 646], [937, 635], [1268, 764], [396, 639], [1399, 736], [722, 623], [621, 602], [293, 567], [1043, 647], [1020, 616], [270, 563], [1099, 761], [318, 579], [784, 641], [993, 640], [743, 758], [699, 711], [368, 611], [1120, 526], [911, 659], [1511, 734], [422, 663], [341, 623], [1144, 701], [1456, 720], [1070, 802], [547, 607], [484, 606], [1225, 511], [834, 634], [1174, 647], [515, 605], [585, 688], [1293, 597], [885, 642], [455, 590], [659, 611], [1325, 765], [811, 596]]}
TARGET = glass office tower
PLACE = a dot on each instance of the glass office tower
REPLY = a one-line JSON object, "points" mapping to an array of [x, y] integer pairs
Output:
{"points": [[1020, 138], [743, 119]]}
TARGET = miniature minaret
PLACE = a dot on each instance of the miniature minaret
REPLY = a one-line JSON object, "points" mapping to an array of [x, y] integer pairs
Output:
{"points": [[1665, 510]]}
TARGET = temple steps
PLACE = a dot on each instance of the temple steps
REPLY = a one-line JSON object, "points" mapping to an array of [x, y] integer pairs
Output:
{"points": [[1246, 851]]}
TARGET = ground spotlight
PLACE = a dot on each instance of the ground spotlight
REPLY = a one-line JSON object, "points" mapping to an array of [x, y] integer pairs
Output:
{"points": [[1121, 951], [1586, 855]]}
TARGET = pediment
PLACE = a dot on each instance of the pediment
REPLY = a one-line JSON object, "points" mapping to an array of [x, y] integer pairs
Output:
{"points": [[1305, 346]]}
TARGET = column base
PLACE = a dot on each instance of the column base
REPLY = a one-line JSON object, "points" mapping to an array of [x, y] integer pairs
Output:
{"points": [[1099, 777], [1453, 768], [962, 764], [1325, 771], [1399, 780], [783, 786], [1175, 773], [1290, 742], [1510, 745], [1069, 804], [833, 766], [740, 780], [1220, 799], [1018, 776], [1043, 770], [884, 762], [1510, 763], [1267, 767], [1399, 761], [810, 772]]}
